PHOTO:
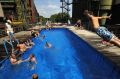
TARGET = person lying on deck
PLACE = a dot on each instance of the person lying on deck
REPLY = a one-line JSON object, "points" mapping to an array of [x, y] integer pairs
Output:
{"points": [[29, 43], [22, 47], [102, 31], [34, 33]]}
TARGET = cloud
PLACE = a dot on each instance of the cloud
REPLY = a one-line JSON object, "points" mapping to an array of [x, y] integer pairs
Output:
{"points": [[53, 6], [48, 8]]}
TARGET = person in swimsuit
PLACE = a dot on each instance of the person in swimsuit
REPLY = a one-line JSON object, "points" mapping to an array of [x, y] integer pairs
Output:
{"points": [[48, 45], [100, 30], [14, 60], [34, 76], [78, 24]]}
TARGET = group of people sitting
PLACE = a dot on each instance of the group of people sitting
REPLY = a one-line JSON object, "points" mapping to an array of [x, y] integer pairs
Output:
{"points": [[23, 46], [20, 49], [35, 34]]}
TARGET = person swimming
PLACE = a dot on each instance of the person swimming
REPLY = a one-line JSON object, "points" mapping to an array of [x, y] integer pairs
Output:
{"points": [[42, 37], [34, 76], [32, 61], [14, 60], [48, 45], [31, 58]]}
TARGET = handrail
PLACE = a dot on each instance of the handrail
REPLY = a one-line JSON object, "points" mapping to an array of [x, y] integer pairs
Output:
{"points": [[4, 42], [3, 61], [6, 49]]}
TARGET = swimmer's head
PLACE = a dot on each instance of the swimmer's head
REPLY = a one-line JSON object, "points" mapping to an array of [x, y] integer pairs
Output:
{"points": [[32, 55], [34, 76], [13, 56]]}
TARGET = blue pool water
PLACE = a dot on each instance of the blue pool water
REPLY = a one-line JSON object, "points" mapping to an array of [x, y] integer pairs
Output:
{"points": [[69, 58]]}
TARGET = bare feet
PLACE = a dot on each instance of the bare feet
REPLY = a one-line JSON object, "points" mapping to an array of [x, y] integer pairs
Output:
{"points": [[107, 43]]}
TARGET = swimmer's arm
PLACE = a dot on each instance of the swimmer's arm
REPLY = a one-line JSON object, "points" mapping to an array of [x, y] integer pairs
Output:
{"points": [[26, 60], [15, 62], [35, 62]]}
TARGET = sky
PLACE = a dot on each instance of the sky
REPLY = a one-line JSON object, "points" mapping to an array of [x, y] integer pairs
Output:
{"points": [[47, 8]]}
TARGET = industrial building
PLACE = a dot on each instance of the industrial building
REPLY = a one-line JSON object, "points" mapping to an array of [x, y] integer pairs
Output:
{"points": [[23, 13]]}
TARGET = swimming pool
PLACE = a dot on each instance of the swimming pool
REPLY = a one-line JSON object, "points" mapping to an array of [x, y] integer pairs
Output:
{"points": [[69, 58]]}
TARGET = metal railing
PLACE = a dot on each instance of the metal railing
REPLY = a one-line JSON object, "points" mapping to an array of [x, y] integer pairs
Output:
{"points": [[5, 42]]}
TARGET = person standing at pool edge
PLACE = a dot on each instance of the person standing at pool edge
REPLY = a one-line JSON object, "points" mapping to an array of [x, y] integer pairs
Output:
{"points": [[102, 31], [9, 29]]}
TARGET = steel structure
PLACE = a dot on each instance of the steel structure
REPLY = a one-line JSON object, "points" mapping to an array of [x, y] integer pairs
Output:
{"points": [[65, 6]]}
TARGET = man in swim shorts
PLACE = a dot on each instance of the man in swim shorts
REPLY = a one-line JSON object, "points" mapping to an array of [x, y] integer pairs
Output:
{"points": [[102, 31]]}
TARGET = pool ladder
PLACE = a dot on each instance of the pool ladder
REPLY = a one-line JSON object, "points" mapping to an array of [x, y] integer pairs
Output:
{"points": [[5, 42]]}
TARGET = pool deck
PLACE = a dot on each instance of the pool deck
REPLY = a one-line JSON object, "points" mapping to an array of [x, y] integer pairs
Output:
{"points": [[112, 52]]}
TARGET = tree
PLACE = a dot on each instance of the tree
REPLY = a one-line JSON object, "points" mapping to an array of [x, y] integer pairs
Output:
{"points": [[42, 19], [53, 18], [60, 17]]}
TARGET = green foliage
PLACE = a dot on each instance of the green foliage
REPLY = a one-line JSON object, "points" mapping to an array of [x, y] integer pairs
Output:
{"points": [[60, 17], [43, 19]]}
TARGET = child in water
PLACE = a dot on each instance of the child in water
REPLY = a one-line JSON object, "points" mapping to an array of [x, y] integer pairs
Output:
{"points": [[48, 45], [31, 58], [14, 60], [32, 61]]}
